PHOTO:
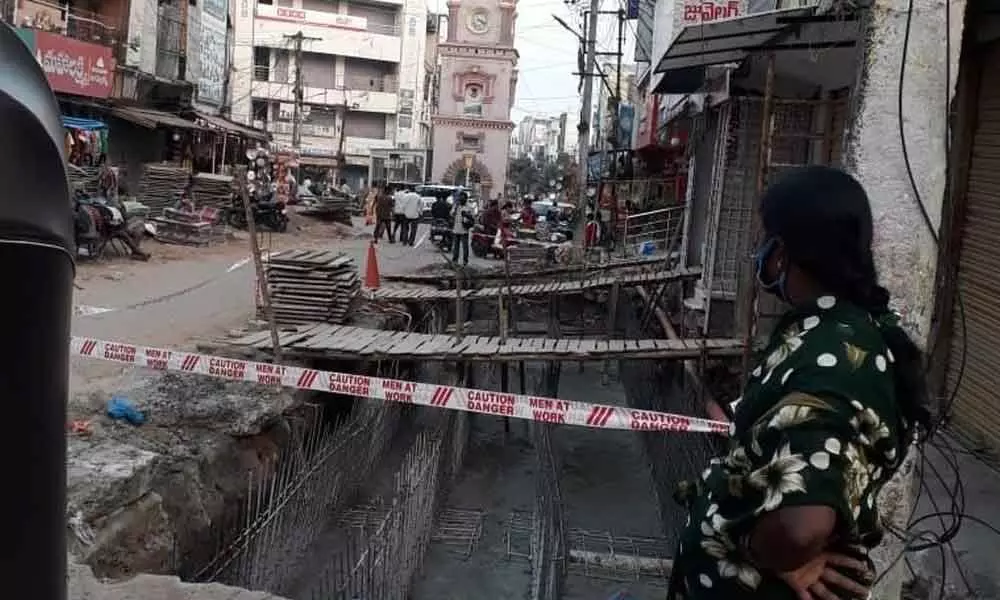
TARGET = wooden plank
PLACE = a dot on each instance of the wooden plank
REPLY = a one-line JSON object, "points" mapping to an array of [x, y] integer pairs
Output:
{"points": [[378, 344], [405, 343], [318, 337]]}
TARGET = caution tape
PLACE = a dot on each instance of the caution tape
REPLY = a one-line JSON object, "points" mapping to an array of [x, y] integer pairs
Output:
{"points": [[487, 402]]}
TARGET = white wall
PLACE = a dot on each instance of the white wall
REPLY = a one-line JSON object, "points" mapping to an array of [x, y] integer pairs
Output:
{"points": [[905, 251]]}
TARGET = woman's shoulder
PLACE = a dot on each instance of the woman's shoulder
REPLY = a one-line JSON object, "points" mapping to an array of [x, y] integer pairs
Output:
{"points": [[837, 352]]}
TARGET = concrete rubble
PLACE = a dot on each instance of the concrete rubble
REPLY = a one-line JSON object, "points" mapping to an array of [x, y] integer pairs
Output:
{"points": [[140, 497], [82, 585]]}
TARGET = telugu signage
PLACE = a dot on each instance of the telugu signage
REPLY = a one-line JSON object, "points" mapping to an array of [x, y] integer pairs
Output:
{"points": [[703, 11], [74, 67], [311, 17]]}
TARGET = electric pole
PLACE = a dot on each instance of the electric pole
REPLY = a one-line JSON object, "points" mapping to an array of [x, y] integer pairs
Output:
{"points": [[340, 142], [297, 90], [586, 110]]}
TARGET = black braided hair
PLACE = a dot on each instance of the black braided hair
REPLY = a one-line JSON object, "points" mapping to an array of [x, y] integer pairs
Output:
{"points": [[823, 218]]}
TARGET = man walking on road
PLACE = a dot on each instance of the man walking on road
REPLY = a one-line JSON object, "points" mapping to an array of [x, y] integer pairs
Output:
{"points": [[462, 223], [398, 215], [383, 215], [411, 210]]}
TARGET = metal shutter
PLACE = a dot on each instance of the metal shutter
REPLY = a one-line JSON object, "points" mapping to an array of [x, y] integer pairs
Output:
{"points": [[977, 403]]}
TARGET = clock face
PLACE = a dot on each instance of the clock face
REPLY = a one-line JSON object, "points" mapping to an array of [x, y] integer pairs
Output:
{"points": [[479, 21]]}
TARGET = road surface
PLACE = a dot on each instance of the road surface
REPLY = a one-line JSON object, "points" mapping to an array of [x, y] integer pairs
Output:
{"points": [[186, 294]]}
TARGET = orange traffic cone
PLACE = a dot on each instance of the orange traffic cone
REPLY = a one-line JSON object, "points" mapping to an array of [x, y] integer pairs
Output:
{"points": [[372, 278]]}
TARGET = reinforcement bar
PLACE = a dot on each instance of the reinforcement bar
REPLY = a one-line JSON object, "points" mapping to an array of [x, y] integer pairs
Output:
{"points": [[531, 408]]}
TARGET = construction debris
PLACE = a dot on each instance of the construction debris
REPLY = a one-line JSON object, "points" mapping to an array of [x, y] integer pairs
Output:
{"points": [[214, 191], [333, 206], [161, 186], [311, 286]]}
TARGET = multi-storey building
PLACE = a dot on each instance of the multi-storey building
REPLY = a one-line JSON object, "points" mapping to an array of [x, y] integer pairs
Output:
{"points": [[472, 127], [361, 69], [541, 138]]}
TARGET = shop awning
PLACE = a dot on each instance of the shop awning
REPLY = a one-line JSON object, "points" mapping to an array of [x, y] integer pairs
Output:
{"points": [[216, 122], [731, 41], [84, 124], [318, 161], [147, 117]]}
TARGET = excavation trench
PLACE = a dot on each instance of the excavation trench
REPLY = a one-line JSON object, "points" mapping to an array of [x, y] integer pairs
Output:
{"points": [[335, 497]]}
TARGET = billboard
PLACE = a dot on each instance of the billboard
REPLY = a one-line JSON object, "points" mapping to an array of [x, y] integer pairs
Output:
{"points": [[72, 66], [212, 59], [626, 120]]}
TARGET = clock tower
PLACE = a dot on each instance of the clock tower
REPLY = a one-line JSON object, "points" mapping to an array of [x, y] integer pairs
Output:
{"points": [[472, 127]]}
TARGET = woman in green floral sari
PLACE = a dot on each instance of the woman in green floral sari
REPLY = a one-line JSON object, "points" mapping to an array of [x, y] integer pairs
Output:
{"points": [[824, 421]]}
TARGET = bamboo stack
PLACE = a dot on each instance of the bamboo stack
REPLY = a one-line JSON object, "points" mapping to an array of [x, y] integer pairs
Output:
{"points": [[311, 286], [215, 191], [161, 186], [85, 179]]}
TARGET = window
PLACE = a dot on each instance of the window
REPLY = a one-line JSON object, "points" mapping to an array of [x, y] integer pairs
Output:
{"points": [[261, 63], [470, 142], [472, 104]]}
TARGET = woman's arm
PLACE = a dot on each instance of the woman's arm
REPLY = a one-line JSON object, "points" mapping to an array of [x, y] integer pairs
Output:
{"points": [[790, 537]]}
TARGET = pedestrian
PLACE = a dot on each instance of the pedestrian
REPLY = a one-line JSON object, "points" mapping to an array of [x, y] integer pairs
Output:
{"points": [[398, 214], [462, 222], [383, 216], [824, 421], [411, 211]]}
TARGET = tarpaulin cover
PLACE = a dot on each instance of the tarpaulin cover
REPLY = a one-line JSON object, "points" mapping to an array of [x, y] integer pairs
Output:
{"points": [[85, 124]]}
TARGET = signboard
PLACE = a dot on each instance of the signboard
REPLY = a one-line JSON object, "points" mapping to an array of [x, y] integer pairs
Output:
{"points": [[212, 59], [648, 122], [626, 118], [701, 11], [75, 67], [311, 17], [405, 102]]}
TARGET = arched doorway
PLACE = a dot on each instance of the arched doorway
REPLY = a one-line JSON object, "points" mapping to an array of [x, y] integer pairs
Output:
{"points": [[467, 177], [479, 177]]}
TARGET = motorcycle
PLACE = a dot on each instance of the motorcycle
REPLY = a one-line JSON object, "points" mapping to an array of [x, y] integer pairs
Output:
{"points": [[267, 212], [98, 225], [483, 243], [441, 233]]}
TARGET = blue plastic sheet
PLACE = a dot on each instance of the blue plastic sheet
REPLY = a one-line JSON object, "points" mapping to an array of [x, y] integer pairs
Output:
{"points": [[121, 409], [84, 124]]}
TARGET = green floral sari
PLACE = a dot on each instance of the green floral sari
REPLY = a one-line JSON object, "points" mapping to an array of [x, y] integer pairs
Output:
{"points": [[817, 425]]}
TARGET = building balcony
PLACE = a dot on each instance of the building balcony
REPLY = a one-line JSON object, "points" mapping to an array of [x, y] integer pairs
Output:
{"points": [[336, 34], [367, 96], [71, 22]]}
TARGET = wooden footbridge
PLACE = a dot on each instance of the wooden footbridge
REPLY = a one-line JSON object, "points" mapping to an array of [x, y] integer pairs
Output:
{"points": [[479, 278], [346, 342], [551, 288]]}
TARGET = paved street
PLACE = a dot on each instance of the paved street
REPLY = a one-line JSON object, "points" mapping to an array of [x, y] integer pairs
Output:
{"points": [[188, 293]]}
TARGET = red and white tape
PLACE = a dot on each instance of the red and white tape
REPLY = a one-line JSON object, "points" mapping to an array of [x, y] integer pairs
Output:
{"points": [[532, 408]]}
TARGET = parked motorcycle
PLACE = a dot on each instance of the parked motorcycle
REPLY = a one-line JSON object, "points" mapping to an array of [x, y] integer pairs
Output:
{"points": [[441, 233], [267, 212], [99, 225]]}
